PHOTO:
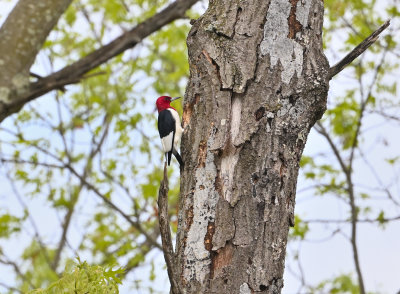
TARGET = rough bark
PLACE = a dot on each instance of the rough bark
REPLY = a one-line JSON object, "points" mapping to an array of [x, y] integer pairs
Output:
{"points": [[258, 82]]}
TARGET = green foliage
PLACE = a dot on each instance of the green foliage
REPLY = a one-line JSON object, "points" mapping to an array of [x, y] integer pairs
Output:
{"points": [[39, 271], [168, 65], [363, 100], [10, 224], [343, 284], [82, 278], [328, 176], [300, 229], [381, 218], [343, 119]]}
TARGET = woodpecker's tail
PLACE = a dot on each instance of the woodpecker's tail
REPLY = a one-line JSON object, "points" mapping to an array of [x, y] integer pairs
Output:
{"points": [[172, 147], [168, 156], [178, 157]]}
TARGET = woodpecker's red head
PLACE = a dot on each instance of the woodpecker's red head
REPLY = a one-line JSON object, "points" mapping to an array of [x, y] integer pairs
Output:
{"points": [[163, 102]]}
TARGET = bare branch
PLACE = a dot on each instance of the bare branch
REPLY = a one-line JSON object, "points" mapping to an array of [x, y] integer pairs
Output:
{"points": [[363, 105], [133, 223], [145, 247], [350, 191], [21, 161], [74, 198], [10, 288], [17, 271], [90, 23], [63, 239], [364, 45], [321, 130], [378, 179], [165, 230], [338, 221], [31, 220]]}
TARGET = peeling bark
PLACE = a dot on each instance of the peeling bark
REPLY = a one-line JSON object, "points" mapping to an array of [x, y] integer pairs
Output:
{"points": [[258, 82]]}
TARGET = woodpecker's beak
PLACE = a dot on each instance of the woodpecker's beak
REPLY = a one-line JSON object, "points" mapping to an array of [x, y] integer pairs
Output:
{"points": [[175, 98]]}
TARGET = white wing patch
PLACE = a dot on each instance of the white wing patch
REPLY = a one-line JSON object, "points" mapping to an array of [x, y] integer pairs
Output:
{"points": [[167, 142], [178, 128]]}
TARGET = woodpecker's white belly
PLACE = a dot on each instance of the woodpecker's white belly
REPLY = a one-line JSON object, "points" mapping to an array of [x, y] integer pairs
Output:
{"points": [[166, 142]]}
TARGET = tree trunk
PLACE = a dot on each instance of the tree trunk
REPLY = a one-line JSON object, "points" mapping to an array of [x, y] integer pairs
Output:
{"points": [[258, 82]]}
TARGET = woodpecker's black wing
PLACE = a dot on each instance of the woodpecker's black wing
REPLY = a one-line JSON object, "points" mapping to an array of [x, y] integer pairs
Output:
{"points": [[166, 128]]}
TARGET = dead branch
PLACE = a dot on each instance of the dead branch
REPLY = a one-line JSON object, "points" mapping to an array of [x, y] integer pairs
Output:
{"points": [[165, 231], [364, 45]]}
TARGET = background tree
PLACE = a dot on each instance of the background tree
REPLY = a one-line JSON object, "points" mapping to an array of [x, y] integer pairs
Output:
{"points": [[69, 153], [354, 167]]}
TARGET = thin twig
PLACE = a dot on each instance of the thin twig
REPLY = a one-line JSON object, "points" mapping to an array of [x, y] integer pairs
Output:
{"points": [[32, 221], [21, 161], [10, 288], [364, 45], [350, 190], [321, 130], [144, 248], [75, 196], [363, 105], [90, 23], [336, 221], [135, 224], [32, 74], [165, 231], [378, 179], [18, 271]]}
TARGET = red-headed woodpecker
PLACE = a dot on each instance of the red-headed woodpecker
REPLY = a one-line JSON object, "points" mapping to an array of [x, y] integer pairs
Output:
{"points": [[169, 127]]}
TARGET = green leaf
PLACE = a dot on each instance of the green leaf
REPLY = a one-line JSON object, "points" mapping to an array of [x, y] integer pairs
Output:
{"points": [[392, 160], [10, 224], [299, 230], [381, 218], [84, 278], [342, 284]]}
